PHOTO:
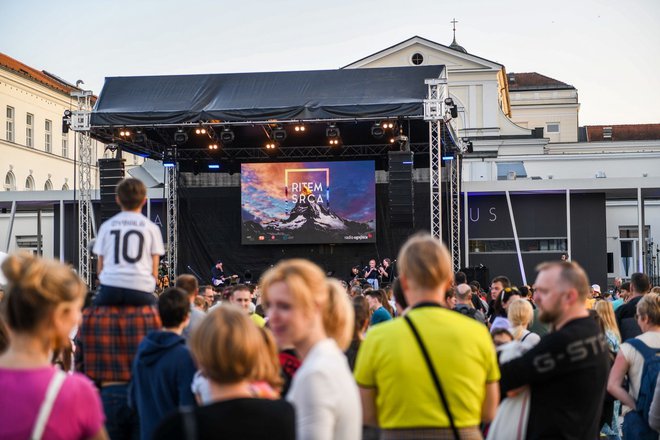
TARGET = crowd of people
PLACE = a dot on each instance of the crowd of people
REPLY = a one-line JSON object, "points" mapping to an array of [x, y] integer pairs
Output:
{"points": [[424, 354]]}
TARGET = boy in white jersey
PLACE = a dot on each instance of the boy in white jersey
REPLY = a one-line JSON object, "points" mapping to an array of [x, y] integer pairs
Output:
{"points": [[129, 247]]}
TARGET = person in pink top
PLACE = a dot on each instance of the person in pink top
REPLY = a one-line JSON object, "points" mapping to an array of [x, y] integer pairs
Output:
{"points": [[38, 401]]}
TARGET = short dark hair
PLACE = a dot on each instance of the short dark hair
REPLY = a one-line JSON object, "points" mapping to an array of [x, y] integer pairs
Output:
{"points": [[131, 193], [173, 307], [501, 331], [625, 286], [239, 287], [640, 282], [460, 278], [502, 279], [188, 283], [397, 292]]}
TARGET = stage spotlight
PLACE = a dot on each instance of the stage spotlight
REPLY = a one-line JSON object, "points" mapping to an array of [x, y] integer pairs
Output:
{"points": [[200, 130], [124, 132], [270, 145], [214, 166], [213, 146], [387, 124], [180, 137], [377, 131], [169, 157], [332, 131], [334, 142], [139, 137], [279, 133], [227, 136], [299, 128]]}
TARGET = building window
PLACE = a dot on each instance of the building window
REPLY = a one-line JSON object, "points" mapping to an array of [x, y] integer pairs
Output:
{"points": [[29, 183], [65, 146], [29, 130], [48, 144], [552, 127], [48, 186], [417, 59], [10, 181], [65, 187], [10, 124], [527, 245]]}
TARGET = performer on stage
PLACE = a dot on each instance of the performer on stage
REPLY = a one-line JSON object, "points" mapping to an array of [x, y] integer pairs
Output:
{"points": [[371, 274], [386, 271], [217, 274]]}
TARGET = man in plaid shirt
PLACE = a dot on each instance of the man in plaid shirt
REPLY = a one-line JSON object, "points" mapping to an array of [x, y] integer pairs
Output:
{"points": [[107, 342]]}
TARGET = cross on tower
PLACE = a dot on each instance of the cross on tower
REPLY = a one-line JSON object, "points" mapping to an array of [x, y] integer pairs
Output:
{"points": [[454, 23]]}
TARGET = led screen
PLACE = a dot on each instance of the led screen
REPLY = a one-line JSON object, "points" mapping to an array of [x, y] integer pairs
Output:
{"points": [[308, 202]]}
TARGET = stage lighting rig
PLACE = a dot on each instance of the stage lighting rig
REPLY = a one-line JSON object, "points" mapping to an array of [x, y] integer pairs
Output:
{"points": [[332, 131], [279, 133], [169, 157], [271, 146], [387, 125], [139, 137], [200, 130], [300, 128], [452, 108], [377, 130], [66, 121], [124, 133], [227, 136], [213, 146], [180, 137], [334, 142]]}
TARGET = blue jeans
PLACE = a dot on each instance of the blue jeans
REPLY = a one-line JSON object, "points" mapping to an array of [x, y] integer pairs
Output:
{"points": [[121, 422], [373, 282]]}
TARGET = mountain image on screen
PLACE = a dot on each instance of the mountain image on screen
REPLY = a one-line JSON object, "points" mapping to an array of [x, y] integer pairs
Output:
{"points": [[311, 222]]}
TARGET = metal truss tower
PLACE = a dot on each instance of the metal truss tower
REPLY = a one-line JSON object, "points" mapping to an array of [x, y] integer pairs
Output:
{"points": [[455, 211], [80, 123], [433, 114], [172, 218]]}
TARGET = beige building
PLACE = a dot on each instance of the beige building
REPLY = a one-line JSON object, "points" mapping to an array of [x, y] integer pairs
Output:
{"points": [[538, 101], [34, 153]]}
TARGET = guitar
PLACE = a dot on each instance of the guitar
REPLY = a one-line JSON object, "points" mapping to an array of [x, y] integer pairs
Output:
{"points": [[221, 281]]}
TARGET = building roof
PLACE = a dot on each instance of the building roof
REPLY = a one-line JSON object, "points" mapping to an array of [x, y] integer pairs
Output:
{"points": [[534, 81], [418, 39], [40, 76], [632, 132]]}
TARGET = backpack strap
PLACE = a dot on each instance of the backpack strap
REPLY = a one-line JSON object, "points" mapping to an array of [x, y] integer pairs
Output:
{"points": [[47, 404], [643, 349], [434, 376]]}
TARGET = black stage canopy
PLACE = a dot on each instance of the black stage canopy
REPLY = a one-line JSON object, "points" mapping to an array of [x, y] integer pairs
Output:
{"points": [[248, 97]]}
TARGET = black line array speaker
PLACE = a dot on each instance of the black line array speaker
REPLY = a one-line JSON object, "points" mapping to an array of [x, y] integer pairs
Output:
{"points": [[480, 274], [402, 201], [111, 171]]}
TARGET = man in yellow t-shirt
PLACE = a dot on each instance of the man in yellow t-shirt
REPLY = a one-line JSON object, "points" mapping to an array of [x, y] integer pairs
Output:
{"points": [[396, 386]]}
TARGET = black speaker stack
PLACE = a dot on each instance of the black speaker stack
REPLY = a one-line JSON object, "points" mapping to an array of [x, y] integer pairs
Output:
{"points": [[401, 195], [111, 172]]}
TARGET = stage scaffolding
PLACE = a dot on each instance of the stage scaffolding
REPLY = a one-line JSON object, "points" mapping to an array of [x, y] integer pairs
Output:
{"points": [[80, 123]]}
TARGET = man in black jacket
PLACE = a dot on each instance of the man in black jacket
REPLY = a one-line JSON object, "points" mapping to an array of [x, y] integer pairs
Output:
{"points": [[625, 315], [567, 371]]}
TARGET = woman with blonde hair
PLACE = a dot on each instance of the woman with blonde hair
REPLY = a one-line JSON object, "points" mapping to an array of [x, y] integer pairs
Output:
{"points": [[41, 307], [630, 361], [314, 314], [233, 353], [520, 314]]}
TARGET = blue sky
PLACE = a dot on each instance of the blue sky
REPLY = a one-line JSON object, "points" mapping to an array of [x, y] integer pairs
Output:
{"points": [[607, 49]]}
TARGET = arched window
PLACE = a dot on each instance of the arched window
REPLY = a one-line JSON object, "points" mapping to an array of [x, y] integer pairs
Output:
{"points": [[10, 181], [29, 183], [48, 186], [65, 187]]}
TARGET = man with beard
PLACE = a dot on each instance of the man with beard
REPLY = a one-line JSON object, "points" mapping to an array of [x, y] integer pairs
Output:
{"points": [[567, 371]]}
